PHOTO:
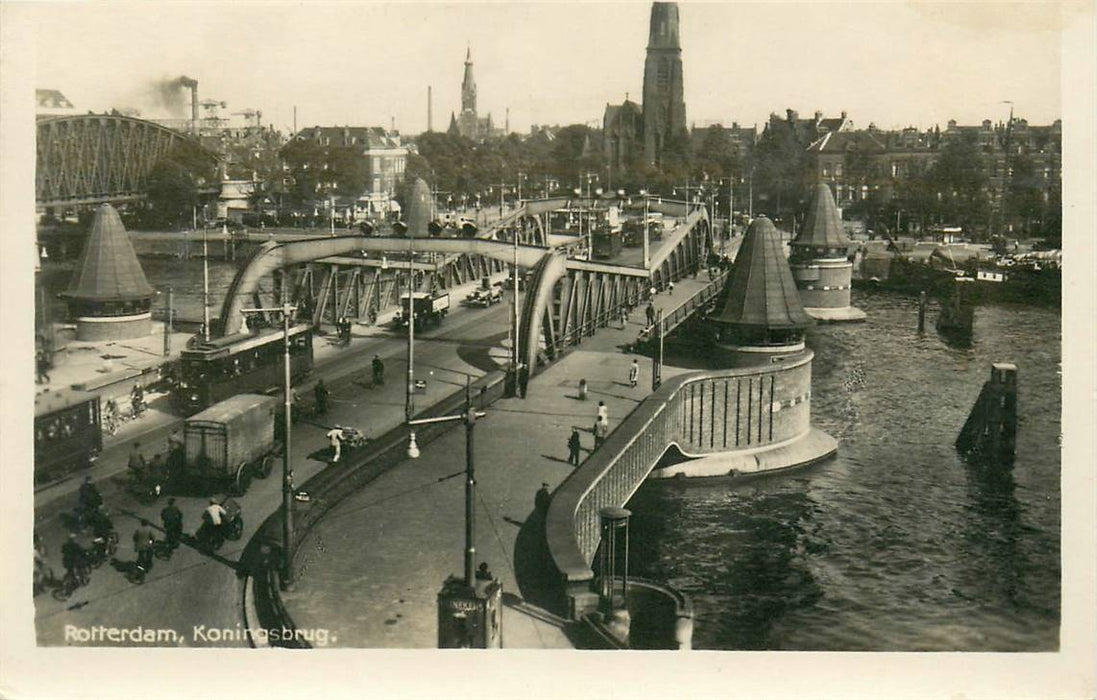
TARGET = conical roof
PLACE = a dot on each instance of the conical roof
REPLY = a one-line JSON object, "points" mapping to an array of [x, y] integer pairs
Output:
{"points": [[760, 288], [108, 269], [823, 225], [418, 214]]}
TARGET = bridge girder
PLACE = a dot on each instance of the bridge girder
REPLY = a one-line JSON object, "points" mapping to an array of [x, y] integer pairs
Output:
{"points": [[90, 158]]}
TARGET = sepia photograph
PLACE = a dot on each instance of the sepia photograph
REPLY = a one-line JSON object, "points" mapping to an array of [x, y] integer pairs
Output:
{"points": [[715, 340]]}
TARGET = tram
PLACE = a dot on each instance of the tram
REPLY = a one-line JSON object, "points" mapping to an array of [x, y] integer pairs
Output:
{"points": [[67, 433], [243, 363]]}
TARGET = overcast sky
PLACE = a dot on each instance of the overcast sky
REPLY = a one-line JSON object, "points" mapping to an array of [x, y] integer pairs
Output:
{"points": [[891, 63]]}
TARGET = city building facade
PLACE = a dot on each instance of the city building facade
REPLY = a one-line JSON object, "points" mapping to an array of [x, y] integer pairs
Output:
{"points": [[364, 164]]}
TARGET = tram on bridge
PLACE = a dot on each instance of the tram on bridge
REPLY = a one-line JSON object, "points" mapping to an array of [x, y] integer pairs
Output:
{"points": [[243, 363]]}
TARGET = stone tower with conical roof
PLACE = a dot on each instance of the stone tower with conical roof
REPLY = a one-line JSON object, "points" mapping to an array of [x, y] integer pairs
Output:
{"points": [[664, 102], [762, 317], [109, 295], [820, 265]]}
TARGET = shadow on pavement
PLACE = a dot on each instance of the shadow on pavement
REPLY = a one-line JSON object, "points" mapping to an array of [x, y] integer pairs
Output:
{"points": [[533, 568]]}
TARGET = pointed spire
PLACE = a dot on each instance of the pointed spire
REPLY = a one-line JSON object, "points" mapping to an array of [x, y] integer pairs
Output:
{"points": [[823, 225], [108, 269], [761, 292]]}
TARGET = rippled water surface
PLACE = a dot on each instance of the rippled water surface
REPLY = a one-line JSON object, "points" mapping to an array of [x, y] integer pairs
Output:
{"points": [[896, 544]]}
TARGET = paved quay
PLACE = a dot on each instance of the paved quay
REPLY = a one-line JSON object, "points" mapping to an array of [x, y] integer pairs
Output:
{"points": [[194, 589], [370, 571]]}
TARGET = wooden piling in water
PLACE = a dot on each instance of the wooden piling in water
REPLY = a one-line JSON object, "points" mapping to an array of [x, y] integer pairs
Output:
{"points": [[990, 433], [922, 312]]}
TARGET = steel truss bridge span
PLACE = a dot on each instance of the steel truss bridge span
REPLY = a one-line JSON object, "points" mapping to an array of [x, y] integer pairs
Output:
{"points": [[96, 158], [275, 255]]}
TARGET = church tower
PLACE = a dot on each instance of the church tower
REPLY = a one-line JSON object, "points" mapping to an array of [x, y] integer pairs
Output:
{"points": [[468, 86], [664, 104]]}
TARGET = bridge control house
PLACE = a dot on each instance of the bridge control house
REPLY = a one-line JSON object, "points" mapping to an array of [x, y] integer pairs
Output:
{"points": [[820, 265], [755, 415], [109, 295]]}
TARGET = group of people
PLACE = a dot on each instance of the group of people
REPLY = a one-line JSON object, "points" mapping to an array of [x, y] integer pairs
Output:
{"points": [[600, 430], [94, 518]]}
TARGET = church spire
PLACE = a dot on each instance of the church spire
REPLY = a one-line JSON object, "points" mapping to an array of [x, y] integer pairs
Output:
{"points": [[468, 85]]}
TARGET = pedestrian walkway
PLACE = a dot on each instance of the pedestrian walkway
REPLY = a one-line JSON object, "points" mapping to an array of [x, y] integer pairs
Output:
{"points": [[370, 571]]}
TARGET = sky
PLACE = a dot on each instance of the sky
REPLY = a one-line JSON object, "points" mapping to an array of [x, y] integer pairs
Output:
{"points": [[894, 64]]}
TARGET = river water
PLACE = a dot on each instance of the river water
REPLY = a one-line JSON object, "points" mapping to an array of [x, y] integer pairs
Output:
{"points": [[895, 544]]}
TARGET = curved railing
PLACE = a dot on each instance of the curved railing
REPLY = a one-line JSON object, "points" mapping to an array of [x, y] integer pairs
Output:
{"points": [[701, 413]]}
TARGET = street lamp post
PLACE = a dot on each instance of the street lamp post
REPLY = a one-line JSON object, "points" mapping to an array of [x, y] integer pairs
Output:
{"points": [[287, 312], [469, 417], [409, 399], [205, 285], [647, 243]]}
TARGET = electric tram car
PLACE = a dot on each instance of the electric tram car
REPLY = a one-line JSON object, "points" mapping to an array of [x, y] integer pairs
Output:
{"points": [[244, 363], [67, 433]]}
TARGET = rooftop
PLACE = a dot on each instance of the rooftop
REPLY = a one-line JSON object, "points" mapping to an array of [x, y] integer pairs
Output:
{"points": [[761, 291], [108, 269]]}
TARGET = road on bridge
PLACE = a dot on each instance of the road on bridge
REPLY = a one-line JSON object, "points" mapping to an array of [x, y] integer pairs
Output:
{"points": [[192, 592]]}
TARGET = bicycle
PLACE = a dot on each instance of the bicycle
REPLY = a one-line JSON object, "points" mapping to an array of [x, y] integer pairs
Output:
{"points": [[75, 577], [102, 548]]}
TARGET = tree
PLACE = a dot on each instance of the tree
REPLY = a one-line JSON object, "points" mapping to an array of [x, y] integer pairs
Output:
{"points": [[173, 185], [959, 180], [779, 170]]}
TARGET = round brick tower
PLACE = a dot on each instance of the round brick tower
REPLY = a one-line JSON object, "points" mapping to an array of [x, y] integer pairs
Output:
{"points": [[109, 295], [819, 264]]}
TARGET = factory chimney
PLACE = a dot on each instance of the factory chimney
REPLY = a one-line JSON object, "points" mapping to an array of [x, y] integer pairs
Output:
{"points": [[191, 83], [429, 107]]}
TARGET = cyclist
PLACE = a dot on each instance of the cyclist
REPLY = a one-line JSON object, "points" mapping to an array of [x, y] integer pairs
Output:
{"points": [[73, 556], [137, 399], [88, 498], [110, 412]]}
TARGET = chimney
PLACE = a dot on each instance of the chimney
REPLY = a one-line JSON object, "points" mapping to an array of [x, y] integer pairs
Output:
{"points": [[194, 104], [791, 115], [429, 108], [843, 115], [818, 116], [506, 124]]}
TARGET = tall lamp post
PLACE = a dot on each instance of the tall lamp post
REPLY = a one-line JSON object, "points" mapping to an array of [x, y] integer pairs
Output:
{"points": [[465, 599], [287, 312], [468, 416], [409, 398], [647, 243]]}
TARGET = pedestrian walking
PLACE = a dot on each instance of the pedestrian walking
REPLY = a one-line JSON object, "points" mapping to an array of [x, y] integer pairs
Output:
{"points": [[634, 373], [172, 519], [321, 392], [651, 314], [335, 435], [378, 371], [574, 445], [582, 389], [142, 545], [42, 365], [543, 498], [601, 430], [603, 412]]}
